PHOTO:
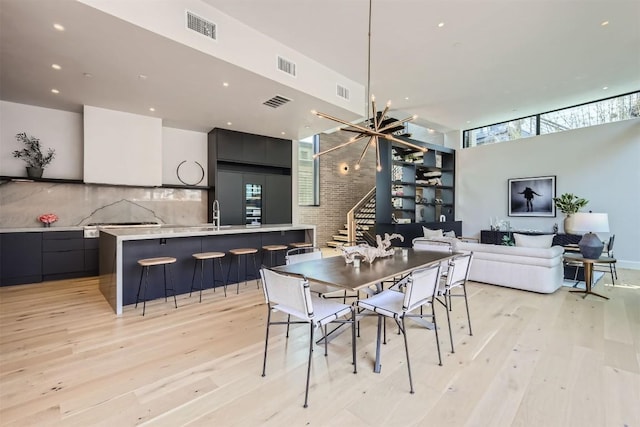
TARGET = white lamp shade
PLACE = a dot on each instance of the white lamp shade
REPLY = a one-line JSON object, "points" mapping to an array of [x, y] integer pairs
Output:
{"points": [[590, 222]]}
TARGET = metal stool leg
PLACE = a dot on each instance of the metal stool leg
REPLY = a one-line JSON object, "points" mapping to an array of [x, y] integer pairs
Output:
{"points": [[175, 301], [139, 286], [146, 284]]}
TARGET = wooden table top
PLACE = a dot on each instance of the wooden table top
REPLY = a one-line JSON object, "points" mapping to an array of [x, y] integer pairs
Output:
{"points": [[335, 271], [578, 257]]}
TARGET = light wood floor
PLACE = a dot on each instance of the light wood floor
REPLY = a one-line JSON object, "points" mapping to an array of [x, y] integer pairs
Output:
{"points": [[534, 360]]}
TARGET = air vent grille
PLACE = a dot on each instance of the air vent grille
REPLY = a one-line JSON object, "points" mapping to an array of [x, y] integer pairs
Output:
{"points": [[201, 25], [342, 92], [276, 101], [287, 66]]}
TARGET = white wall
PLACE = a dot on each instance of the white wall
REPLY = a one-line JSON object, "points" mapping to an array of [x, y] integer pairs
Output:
{"points": [[180, 146], [122, 148], [599, 163], [60, 130]]}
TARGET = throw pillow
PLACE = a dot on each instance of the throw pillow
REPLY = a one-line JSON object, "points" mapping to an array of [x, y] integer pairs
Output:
{"points": [[449, 234], [428, 233], [526, 241]]}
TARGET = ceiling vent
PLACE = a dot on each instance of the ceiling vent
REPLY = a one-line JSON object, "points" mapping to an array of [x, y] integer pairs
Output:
{"points": [[276, 101], [342, 92], [287, 66], [201, 25]]}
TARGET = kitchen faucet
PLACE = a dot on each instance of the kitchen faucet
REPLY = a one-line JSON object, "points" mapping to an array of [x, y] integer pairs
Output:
{"points": [[216, 214]]}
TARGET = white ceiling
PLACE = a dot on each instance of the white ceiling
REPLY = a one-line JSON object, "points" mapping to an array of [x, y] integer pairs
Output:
{"points": [[491, 61]]}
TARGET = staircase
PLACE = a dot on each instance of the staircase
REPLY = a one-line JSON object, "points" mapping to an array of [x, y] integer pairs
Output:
{"points": [[360, 226]]}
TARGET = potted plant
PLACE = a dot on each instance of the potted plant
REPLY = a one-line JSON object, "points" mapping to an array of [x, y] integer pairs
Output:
{"points": [[32, 155], [569, 204]]}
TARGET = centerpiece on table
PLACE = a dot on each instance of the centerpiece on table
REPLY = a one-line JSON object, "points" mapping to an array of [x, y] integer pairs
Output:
{"points": [[569, 204], [370, 253], [32, 155], [48, 219]]}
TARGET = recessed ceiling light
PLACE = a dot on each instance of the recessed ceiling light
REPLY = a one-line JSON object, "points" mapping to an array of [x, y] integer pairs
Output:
{"points": [[225, 84], [406, 98], [468, 121], [55, 91], [605, 88], [87, 75], [56, 67], [229, 123], [604, 23], [152, 109], [142, 76], [283, 133], [441, 24], [58, 27]]}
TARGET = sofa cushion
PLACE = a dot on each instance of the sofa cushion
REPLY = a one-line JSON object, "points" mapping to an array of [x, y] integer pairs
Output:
{"points": [[527, 241], [428, 233]]}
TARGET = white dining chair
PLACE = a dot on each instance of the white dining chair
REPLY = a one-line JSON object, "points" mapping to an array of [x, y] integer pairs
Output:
{"points": [[456, 278], [420, 289], [291, 295]]}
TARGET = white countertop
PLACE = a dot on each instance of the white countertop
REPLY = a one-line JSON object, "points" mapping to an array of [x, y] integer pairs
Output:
{"points": [[144, 233]]}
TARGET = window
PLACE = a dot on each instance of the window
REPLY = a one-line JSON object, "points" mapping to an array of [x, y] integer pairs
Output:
{"points": [[308, 172], [608, 110]]}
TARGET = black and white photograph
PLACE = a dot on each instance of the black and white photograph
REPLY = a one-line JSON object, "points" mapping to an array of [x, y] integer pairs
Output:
{"points": [[532, 196]]}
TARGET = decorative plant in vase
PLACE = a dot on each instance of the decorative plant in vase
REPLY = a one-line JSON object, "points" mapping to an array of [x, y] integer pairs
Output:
{"points": [[32, 155], [569, 204]]}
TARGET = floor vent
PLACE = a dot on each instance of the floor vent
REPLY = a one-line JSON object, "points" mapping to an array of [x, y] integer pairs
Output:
{"points": [[201, 25], [342, 92], [287, 66], [276, 101]]}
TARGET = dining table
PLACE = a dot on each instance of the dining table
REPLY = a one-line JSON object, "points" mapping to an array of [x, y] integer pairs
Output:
{"points": [[335, 271]]}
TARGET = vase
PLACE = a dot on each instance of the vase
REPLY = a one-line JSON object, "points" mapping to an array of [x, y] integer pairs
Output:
{"points": [[568, 224], [33, 172], [46, 224]]}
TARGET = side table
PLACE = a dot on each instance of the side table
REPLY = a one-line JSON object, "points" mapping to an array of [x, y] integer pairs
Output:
{"points": [[588, 271]]}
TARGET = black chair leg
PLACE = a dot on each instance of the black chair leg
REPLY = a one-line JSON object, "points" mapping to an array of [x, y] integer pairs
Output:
{"points": [[306, 393], [401, 326]]}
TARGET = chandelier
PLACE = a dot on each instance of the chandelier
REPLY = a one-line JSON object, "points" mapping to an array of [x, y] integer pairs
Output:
{"points": [[375, 127]]}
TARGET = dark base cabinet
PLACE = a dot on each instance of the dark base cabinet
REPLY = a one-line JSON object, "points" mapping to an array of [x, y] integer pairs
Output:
{"points": [[494, 237], [33, 257], [182, 248], [20, 258]]}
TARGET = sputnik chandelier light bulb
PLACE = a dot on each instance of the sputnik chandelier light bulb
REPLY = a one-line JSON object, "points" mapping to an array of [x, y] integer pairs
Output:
{"points": [[375, 126]]}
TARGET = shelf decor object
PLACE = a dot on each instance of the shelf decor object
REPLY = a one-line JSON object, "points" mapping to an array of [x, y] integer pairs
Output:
{"points": [[32, 155], [378, 126], [588, 224]]}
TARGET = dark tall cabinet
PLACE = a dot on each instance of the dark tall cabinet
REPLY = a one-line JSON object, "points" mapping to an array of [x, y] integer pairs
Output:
{"points": [[250, 176]]}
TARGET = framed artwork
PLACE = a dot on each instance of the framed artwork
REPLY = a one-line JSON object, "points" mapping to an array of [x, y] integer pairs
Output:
{"points": [[532, 196]]}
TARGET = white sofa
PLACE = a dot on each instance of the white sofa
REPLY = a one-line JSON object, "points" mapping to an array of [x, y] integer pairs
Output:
{"points": [[530, 269]]}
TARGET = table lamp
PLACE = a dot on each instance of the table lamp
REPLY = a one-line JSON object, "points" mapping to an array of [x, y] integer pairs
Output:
{"points": [[588, 224]]}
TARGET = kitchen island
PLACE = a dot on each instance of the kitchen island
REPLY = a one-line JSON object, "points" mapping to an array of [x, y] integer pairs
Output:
{"points": [[121, 248]]}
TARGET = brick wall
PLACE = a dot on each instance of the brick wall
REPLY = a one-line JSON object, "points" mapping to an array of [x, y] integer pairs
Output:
{"points": [[339, 191]]}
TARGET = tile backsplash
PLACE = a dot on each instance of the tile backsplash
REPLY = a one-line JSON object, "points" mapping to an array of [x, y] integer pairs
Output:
{"points": [[21, 203]]}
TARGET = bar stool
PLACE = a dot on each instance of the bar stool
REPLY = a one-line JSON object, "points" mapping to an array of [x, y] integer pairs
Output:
{"points": [[238, 253], [147, 263], [297, 245], [273, 250], [202, 257]]}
